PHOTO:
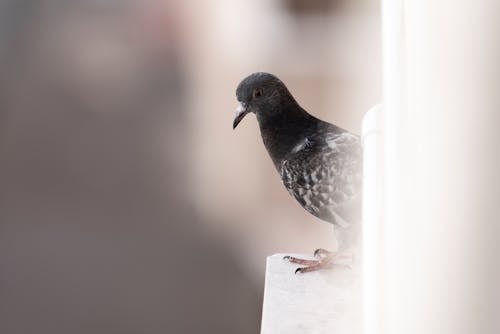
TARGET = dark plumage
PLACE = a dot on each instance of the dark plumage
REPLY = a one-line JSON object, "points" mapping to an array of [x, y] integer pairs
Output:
{"points": [[319, 163]]}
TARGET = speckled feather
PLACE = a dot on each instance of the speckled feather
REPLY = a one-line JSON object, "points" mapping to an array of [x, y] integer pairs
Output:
{"points": [[323, 173]]}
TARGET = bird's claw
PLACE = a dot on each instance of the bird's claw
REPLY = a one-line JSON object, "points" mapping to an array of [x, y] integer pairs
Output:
{"points": [[324, 259]]}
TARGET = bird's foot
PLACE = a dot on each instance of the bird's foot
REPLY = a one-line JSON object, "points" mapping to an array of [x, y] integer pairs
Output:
{"points": [[324, 260]]}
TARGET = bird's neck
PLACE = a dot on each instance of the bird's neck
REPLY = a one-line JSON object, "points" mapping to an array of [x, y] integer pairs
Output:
{"points": [[284, 131]]}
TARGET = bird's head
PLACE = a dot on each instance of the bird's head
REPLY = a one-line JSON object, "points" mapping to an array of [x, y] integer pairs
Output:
{"points": [[260, 93]]}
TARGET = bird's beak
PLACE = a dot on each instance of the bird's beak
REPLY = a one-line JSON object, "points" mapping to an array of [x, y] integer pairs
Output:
{"points": [[240, 113]]}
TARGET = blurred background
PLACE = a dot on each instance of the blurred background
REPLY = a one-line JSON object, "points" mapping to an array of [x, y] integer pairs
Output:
{"points": [[127, 202]]}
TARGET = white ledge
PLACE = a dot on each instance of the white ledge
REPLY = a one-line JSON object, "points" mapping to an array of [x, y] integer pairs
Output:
{"points": [[326, 301]]}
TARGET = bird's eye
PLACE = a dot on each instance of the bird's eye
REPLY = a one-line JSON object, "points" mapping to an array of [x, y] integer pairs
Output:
{"points": [[257, 92]]}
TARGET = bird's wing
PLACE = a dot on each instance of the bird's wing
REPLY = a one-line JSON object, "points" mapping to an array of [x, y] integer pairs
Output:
{"points": [[324, 175]]}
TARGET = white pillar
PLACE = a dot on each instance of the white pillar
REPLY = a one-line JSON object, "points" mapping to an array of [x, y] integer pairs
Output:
{"points": [[441, 266]]}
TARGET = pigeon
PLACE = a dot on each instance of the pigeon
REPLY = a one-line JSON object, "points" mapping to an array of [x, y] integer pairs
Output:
{"points": [[319, 163]]}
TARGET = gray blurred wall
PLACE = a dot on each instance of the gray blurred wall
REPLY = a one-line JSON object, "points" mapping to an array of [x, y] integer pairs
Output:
{"points": [[97, 230]]}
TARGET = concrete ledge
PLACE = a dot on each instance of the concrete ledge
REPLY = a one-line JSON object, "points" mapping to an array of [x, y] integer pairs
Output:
{"points": [[327, 301]]}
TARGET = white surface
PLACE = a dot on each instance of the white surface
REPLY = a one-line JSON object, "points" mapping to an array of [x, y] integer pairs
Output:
{"points": [[393, 94], [442, 185], [326, 301], [372, 214]]}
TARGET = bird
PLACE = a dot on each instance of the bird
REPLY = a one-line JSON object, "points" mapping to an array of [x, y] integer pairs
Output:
{"points": [[319, 163]]}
